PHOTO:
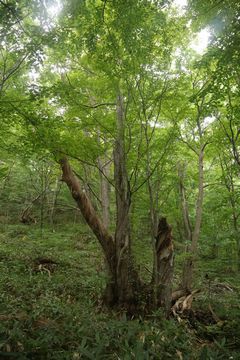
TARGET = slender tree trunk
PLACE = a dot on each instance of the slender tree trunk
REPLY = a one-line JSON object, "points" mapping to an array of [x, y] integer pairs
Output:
{"points": [[228, 177], [186, 281], [236, 230], [127, 278], [26, 216], [154, 232], [189, 264], [54, 201], [104, 171], [184, 203], [153, 213], [43, 196], [238, 255]]}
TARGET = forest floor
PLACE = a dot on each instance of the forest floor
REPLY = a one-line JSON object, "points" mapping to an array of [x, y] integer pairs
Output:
{"points": [[50, 306]]}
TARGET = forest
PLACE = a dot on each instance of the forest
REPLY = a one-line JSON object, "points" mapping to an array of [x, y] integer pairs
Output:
{"points": [[119, 179]]}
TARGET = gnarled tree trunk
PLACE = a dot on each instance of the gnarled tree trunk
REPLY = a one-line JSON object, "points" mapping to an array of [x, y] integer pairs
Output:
{"points": [[89, 213], [124, 287], [164, 266]]}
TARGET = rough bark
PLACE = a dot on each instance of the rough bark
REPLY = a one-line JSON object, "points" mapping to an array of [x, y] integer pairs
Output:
{"points": [[164, 275], [89, 213]]}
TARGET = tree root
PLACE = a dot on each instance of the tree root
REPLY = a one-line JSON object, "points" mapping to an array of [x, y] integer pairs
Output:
{"points": [[183, 303]]}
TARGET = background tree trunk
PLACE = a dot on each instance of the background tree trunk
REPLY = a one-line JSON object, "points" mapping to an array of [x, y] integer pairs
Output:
{"points": [[104, 171], [188, 266], [55, 194]]}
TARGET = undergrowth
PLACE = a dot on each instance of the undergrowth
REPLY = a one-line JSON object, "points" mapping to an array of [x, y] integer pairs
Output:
{"points": [[56, 312]]}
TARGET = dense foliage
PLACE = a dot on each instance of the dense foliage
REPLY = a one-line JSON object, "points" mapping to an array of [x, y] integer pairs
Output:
{"points": [[70, 72]]}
